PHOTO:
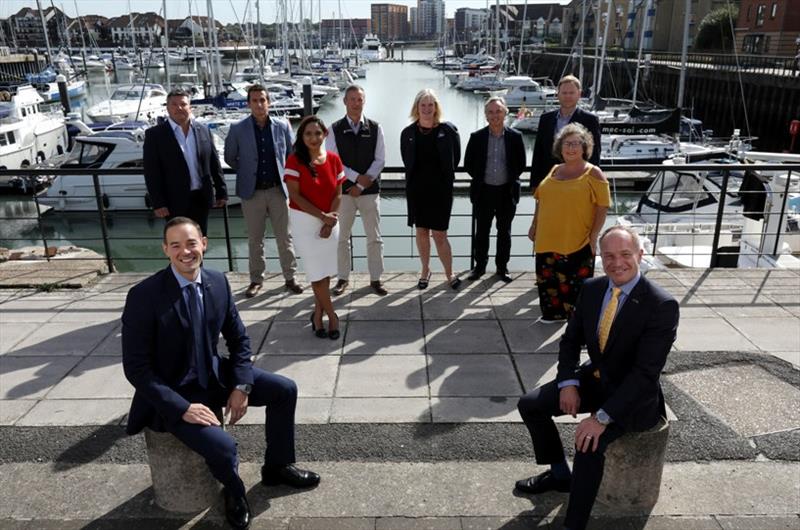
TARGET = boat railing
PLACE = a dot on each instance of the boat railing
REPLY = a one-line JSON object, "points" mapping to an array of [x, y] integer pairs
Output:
{"points": [[654, 225]]}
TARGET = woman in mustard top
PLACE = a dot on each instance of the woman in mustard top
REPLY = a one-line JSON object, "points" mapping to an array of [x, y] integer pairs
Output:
{"points": [[571, 205]]}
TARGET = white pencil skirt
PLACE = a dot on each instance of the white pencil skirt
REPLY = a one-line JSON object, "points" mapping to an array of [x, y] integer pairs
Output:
{"points": [[318, 254]]}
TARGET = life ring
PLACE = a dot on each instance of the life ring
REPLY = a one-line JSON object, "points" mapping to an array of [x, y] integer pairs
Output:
{"points": [[5, 95]]}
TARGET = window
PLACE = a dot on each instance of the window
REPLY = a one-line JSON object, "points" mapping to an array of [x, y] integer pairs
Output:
{"points": [[3, 140], [760, 14], [11, 139], [774, 10], [24, 112]]}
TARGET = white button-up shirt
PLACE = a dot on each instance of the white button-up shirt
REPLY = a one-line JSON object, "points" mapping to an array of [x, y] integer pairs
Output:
{"points": [[188, 145]]}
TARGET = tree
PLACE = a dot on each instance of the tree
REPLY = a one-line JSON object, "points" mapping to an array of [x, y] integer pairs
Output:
{"points": [[716, 29]]}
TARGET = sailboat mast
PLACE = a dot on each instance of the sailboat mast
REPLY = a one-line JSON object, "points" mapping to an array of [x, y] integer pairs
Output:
{"points": [[582, 33], [522, 37], [599, 84], [166, 45], [684, 47], [44, 30], [641, 47], [258, 43], [497, 29]]}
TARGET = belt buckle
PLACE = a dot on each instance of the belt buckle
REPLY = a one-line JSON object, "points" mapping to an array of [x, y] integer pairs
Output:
{"points": [[596, 373]]}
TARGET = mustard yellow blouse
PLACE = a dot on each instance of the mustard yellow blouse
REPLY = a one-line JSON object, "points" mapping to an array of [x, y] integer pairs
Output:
{"points": [[566, 211]]}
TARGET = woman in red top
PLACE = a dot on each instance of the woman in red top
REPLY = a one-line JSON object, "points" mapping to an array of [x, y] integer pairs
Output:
{"points": [[314, 179]]}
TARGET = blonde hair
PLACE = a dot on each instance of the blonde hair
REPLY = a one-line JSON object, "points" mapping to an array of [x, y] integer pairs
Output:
{"points": [[578, 130], [570, 79], [422, 94]]}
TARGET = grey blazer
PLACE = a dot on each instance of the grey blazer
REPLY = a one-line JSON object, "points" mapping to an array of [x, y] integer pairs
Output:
{"points": [[241, 153]]}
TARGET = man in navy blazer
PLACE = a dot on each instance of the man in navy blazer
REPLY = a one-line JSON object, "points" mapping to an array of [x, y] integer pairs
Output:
{"points": [[569, 93], [619, 385], [181, 165], [495, 158], [170, 331], [257, 147]]}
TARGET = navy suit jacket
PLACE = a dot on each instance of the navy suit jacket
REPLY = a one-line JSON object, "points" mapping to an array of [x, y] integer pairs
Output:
{"points": [[636, 350], [475, 160], [167, 175], [543, 159], [157, 344]]}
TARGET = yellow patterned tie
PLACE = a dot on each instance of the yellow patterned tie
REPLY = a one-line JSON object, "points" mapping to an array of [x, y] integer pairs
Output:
{"points": [[608, 317]]}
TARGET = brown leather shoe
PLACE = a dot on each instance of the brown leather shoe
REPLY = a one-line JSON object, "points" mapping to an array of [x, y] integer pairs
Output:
{"points": [[253, 290], [294, 287], [377, 286], [341, 286]]}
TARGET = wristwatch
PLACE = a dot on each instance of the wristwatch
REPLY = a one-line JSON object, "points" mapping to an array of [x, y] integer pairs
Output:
{"points": [[245, 388], [602, 418], [359, 186]]}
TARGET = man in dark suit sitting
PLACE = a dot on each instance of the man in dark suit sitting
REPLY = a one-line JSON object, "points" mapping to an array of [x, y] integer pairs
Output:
{"points": [[569, 93], [170, 328], [628, 325], [495, 158], [181, 165]]}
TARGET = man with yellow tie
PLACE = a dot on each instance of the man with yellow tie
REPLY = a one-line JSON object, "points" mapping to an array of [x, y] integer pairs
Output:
{"points": [[628, 325]]}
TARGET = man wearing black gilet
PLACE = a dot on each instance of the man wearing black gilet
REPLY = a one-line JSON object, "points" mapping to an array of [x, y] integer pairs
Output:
{"points": [[359, 143]]}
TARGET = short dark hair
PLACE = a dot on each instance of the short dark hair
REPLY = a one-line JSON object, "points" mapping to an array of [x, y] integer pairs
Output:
{"points": [[352, 87], [179, 92], [175, 221], [257, 87]]}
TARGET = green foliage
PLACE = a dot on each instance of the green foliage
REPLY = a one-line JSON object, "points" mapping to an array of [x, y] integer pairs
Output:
{"points": [[715, 30]]}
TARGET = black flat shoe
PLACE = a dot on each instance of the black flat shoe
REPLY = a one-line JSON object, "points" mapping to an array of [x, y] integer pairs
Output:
{"points": [[237, 510], [319, 332], [543, 483], [289, 475]]}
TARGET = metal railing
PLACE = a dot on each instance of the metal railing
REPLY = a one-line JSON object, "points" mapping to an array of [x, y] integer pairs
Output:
{"points": [[652, 228]]}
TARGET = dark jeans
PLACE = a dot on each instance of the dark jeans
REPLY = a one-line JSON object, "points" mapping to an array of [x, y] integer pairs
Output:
{"points": [[494, 202], [218, 447], [537, 409]]}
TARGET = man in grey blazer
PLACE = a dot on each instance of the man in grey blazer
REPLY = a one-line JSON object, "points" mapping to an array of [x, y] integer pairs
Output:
{"points": [[256, 148]]}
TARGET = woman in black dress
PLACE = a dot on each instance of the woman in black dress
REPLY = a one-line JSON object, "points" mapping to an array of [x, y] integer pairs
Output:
{"points": [[431, 150]]}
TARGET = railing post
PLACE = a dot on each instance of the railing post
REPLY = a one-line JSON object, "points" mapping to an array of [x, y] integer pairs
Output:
{"points": [[227, 236], [352, 259], [718, 225], [39, 222], [658, 213], [783, 212], [472, 229], [101, 212]]}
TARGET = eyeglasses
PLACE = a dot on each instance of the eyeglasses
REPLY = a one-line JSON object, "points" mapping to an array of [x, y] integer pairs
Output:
{"points": [[572, 143]]}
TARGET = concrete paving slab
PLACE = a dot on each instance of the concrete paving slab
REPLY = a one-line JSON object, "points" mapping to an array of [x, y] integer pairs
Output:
{"points": [[758, 522], [13, 409], [32, 377], [111, 345], [504, 523], [315, 375], [381, 410], [522, 307], [418, 523], [76, 412], [12, 333], [64, 338], [256, 330], [770, 334], [475, 409], [308, 411], [390, 307], [384, 337], [530, 336], [296, 338], [536, 370], [710, 334], [444, 336], [736, 394], [382, 376], [446, 306], [792, 357], [95, 377], [25, 310], [91, 311], [696, 309], [472, 376], [748, 311], [333, 523]]}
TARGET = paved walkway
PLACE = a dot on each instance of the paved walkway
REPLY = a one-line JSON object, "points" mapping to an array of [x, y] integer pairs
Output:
{"points": [[424, 379]]}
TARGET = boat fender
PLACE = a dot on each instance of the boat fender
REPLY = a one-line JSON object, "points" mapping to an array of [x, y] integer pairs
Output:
{"points": [[105, 200]]}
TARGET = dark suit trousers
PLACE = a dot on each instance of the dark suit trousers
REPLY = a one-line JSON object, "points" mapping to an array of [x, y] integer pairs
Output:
{"points": [[218, 447], [537, 409], [494, 202], [197, 212]]}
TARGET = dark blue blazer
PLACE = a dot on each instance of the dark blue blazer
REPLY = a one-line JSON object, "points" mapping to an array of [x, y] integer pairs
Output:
{"points": [[475, 160], [167, 175], [543, 159], [636, 350], [156, 345]]}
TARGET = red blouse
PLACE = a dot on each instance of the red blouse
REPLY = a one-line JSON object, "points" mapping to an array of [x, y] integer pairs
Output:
{"points": [[321, 190]]}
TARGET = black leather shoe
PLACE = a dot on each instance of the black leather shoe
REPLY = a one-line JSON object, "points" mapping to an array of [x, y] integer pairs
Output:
{"points": [[503, 275], [542, 483], [289, 475], [294, 287], [237, 511], [378, 287], [476, 273], [341, 286]]}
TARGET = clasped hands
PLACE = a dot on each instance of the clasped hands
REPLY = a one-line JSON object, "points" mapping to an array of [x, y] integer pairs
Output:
{"points": [[329, 220], [200, 414], [365, 182], [587, 435]]}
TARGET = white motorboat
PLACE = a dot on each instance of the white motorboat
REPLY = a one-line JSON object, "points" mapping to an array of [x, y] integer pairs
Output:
{"points": [[525, 91], [371, 48], [527, 120], [482, 82], [115, 147], [29, 134], [131, 102]]}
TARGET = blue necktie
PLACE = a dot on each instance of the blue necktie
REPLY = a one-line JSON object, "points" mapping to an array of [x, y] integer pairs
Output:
{"points": [[199, 335]]}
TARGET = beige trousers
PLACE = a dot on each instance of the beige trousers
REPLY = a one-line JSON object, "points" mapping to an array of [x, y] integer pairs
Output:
{"points": [[273, 204], [369, 206]]}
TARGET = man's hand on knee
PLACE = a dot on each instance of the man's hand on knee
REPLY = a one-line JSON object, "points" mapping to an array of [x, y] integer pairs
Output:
{"points": [[569, 400], [237, 406], [587, 435], [200, 414]]}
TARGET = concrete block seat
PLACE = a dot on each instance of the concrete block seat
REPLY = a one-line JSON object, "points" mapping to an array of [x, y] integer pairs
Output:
{"points": [[182, 481], [632, 472]]}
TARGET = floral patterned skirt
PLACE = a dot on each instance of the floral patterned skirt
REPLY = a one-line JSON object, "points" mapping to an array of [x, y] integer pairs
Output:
{"points": [[559, 278]]}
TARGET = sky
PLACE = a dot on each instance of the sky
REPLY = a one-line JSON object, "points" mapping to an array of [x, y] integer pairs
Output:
{"points": [[228, 11]]}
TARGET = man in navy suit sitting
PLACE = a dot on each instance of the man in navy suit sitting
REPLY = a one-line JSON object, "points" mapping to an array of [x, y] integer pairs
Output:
{"points": [[170, 329]]}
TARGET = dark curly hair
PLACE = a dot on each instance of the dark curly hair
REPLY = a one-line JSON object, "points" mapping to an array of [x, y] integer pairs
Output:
{"points": [[300, 148]]}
